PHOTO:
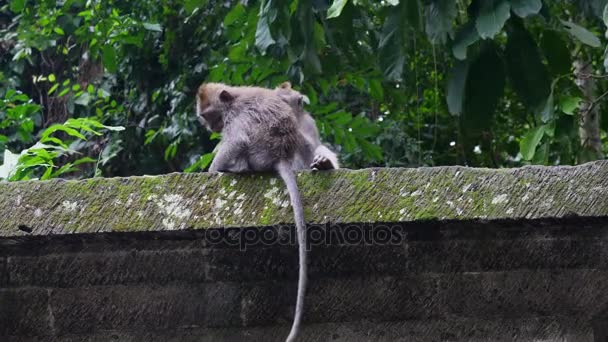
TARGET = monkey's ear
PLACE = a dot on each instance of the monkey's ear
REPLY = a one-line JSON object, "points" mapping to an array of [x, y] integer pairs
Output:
{"points": [[285, 85], [225, 96]]}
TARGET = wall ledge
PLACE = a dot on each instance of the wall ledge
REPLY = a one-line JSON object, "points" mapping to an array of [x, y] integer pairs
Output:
{"points": [[205, 200]]}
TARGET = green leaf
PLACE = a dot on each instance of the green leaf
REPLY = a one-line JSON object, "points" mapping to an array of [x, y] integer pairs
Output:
{"points": [[64, 91], [392, 45], [336, 8], [569, 104], [153, 27], [546, 113], [340, 118], [171, 150], [581, 34], [109, 58], [236, 14], [52, 78], [103, 93], [605, 15], [84, 160], [525, 8], [371, 151], [57, 127], [440, 14], [556, 51], [17, 5], [263, 37], [238, 53], [484, 87], [456, 87], [528, 144], [59, 31], [83, 99], [54, 140], [201, 163], [527, 73], [541, 156], [492, 17], [53, 88], [376, 90], [465, 37], [191, 5]]}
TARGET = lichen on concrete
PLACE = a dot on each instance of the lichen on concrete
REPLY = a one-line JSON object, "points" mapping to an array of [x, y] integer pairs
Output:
{"points": [[204, 200]]}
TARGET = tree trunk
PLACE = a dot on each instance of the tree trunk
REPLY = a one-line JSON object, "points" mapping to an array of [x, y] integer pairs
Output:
{"points": [[589, 129]]}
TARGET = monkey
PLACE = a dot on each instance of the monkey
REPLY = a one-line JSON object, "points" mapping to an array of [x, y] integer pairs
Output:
{"points": [[324, 158], [311, 155], [260, 132]]}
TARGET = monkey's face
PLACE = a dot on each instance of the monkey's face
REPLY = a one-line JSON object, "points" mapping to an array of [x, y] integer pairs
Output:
{"points": [[211, 118], [211, 104]]}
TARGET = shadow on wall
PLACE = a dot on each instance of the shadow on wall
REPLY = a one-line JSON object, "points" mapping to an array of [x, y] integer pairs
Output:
{"points": [[600, 327]]}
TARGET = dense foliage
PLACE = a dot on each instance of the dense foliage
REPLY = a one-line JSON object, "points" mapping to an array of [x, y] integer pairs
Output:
{"points": [[106, 87]]}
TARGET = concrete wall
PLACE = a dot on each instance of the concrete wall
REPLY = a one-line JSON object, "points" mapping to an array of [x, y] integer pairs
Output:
{"points": [[499, 255]]}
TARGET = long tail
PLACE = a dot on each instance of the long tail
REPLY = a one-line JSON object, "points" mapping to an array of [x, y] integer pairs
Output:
{"points": [[289, 178]]}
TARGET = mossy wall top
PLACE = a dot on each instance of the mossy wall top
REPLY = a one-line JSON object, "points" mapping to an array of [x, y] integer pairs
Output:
{"points": [[205, 200]]}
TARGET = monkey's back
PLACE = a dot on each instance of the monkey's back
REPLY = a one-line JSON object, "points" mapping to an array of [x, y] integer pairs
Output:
{"points": [[270, 127]]}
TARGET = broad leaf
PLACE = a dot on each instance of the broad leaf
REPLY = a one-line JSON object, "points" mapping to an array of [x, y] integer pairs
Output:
{"points": [[528, 144], [465, 37], [541, 155], [17, 5], [546, 112], [191, 5], [57, 127], [235, 14], [492, 17], [263, 37], [376, 90], [527, 73], [581, 34], [336, 8], [440, 15], [456, 87], [569, 104], [556, 51], [484, 87], [525, 8], [201, 163], [83, 100], [392, 52], [153, 27], [109, 58]]}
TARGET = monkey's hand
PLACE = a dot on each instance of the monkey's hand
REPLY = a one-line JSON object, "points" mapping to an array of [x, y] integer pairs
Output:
{"points": [[321, 162]]}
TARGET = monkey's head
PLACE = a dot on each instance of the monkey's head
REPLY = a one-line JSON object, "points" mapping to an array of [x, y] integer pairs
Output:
{"points": [[212, 101], [292, 97]]}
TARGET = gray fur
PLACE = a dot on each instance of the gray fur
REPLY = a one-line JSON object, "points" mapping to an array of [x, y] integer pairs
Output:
{"points": [[260, 132], [322, 157]]}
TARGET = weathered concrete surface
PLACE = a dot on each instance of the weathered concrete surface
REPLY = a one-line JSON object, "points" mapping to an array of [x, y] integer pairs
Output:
{"points": [[204, 200], [436, 254]]}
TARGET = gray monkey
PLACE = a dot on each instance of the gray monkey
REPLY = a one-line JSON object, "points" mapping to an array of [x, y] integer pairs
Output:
{"points": [[260, 132]]}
